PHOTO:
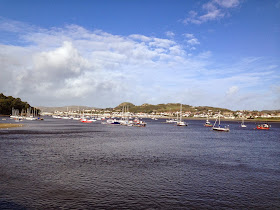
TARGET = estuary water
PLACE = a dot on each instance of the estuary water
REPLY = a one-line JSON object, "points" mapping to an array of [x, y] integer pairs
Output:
{"points": [[64, 164]]}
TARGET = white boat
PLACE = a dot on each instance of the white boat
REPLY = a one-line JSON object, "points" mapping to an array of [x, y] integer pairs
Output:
{"points": [[219, 128], [113, 122], [56, 116], [31, 118], [171, 121], [242, 124], [180, 122], [65, 118]]}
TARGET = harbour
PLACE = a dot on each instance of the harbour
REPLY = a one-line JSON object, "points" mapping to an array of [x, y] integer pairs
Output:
{"points": [[59, 163]]}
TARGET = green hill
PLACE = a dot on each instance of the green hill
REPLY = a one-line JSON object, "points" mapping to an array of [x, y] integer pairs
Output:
{"points": [[170, 107]]}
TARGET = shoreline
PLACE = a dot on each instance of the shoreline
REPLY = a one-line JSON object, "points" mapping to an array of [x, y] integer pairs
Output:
{"points": [[236, 120]]}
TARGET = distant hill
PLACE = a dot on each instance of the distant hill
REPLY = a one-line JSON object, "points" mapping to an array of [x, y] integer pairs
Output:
{"points": [[146, 108], [170, 107]]}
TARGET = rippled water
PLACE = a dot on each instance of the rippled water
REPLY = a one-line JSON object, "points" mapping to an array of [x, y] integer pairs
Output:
{"points": [[66, 164]]}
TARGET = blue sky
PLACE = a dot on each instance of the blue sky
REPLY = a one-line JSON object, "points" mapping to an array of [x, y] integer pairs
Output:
{"points": [[223, 53]]}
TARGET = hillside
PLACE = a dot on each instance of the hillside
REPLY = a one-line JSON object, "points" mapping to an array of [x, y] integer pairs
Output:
{"points": [[7, 103], [170, 107]]}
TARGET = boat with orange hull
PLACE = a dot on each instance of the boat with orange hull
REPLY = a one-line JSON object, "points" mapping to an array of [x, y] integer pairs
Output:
{"points": [[264, 126], [208, 124], [86, 121]]}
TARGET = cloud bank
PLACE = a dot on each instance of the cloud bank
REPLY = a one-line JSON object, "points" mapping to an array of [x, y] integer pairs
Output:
{"points": [[76, 66]]}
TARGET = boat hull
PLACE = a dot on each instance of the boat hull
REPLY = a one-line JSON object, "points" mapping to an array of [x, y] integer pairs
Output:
{"points": [[221, 129], [86, 121], [262, 128]]}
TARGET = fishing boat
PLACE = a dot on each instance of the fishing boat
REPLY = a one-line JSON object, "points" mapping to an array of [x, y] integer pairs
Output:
{"points": [[180, 122], [219, 128], [207, 123], [138, 123], [264, 126]]}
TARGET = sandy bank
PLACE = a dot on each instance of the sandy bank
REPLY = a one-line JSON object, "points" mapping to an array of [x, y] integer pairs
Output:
{"points": [[9, 125]]}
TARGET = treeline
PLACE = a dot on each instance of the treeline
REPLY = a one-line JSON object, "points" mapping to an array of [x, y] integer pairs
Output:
{"points": [[7, 103], [170, 107]]}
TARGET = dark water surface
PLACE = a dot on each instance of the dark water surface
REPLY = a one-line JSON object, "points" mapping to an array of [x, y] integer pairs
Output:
{"points": [[65, 164]]}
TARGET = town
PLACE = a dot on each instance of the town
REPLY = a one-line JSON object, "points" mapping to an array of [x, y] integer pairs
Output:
{"points": [[157, 111]]}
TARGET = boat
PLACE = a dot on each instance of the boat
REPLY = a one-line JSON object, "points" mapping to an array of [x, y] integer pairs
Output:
{"points": [[171, 121], [207, 123], [180, 122], [138, 123], [76, 118], [219, 128], [113, 122], [263, 126], [84, 120], [242, 124]]}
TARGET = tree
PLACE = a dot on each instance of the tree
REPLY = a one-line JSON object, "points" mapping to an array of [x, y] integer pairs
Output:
{"points": [[9, 102]]}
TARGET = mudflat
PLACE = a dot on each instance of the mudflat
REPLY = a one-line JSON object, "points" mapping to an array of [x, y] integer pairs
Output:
{"points": [[9, 125]]}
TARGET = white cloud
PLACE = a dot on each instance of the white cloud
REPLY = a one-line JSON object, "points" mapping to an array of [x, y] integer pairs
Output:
{"points": [[72, 65], [193, 41], [232, 90], [189, 36], [227, 3], [212, 10], [170, 34]]}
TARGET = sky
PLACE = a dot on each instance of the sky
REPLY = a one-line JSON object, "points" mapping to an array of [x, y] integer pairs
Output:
{"points": [[221, 53]]}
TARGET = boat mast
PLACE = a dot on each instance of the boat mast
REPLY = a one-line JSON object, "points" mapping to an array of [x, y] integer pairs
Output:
{"points": [[219, 118], [181, 113]]}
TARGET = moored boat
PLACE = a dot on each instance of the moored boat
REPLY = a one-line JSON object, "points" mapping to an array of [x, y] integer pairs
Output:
{"points": [[264, 126], [180, 122], [171, 121], [219, 128], [84, 120], [242, 124], [208, 124]]}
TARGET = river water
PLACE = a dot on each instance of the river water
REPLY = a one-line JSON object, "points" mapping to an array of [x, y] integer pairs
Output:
{"points": [[65, 164]]}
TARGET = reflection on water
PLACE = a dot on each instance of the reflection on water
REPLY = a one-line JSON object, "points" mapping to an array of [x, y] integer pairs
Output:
{"points": [[65, 164]]}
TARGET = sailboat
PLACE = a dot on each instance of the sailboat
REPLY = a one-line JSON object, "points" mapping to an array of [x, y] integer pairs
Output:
{"points": [[171, 120], [242, 124], [83, 119], [180, 122], [219, 128]]}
